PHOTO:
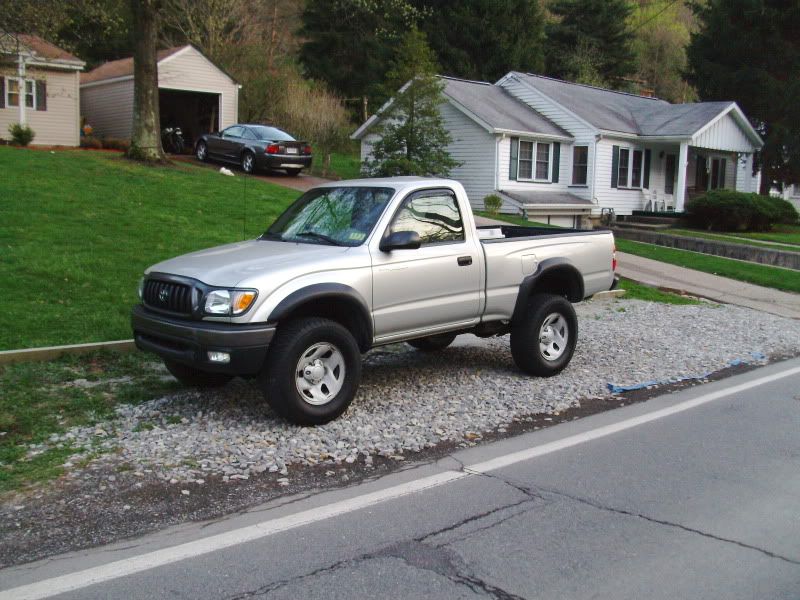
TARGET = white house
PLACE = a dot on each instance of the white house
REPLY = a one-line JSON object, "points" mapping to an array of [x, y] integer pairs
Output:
{"points": [[559, 151], [39, 87], [194, 94]]}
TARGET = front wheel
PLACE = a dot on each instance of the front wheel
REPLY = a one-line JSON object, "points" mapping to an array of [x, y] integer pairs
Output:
{"points": [[433, 343], [543, 340], [248, 162], [201, 151], [312, 371], [191, 377]]}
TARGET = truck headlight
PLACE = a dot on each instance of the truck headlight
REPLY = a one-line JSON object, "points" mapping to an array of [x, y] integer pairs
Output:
{"points": [[229, 302]]}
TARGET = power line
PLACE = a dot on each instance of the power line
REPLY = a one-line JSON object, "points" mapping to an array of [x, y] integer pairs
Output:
{"points": [[655, 16]]}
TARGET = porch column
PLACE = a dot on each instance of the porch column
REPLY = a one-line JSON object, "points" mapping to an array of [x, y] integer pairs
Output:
{"points": [[680, 190], [22, 96]]}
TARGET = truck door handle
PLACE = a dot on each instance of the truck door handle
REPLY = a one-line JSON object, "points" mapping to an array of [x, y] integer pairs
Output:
{"points": [[464, 261]]}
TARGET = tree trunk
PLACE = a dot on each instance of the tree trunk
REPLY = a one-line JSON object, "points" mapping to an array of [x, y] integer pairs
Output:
{"points": [[146, 138]]}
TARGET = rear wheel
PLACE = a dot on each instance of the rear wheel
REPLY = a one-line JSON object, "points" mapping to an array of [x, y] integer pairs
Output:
{"points": [[293, 172], [312, 371], [543, 340], [192, 377], [433, 343], [248, 162], [201, 151]]}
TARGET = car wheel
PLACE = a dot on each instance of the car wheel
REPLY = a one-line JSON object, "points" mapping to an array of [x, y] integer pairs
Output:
{"points": [[433, 343], [189, 376], [543, 340], [248, 162], [312, 371], [201, 151], [293, 172]]}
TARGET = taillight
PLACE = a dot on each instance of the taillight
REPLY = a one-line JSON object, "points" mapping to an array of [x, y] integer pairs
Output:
{"points": [[272, 149], [614, 258], [307, 150]]}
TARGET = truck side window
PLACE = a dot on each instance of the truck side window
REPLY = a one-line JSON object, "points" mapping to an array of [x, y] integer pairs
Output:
{"points": [[434, 216]]}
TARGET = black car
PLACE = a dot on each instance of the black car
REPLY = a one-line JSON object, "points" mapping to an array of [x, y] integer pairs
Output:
{"points": [[255, 147]]}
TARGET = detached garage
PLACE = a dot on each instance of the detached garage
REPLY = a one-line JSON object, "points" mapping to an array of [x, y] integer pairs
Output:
{"points": [[194, 94]]}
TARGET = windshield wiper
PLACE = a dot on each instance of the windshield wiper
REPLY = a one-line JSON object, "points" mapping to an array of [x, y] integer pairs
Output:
{"points": [[319, 236]]}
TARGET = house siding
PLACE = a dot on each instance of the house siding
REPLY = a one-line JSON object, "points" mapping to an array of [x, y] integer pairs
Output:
{"points": [[108, 108], [59, 124], [189, 70], [725, 134]]}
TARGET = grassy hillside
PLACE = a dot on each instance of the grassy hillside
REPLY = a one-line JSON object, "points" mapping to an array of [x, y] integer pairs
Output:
{"points": [[80, 227]]}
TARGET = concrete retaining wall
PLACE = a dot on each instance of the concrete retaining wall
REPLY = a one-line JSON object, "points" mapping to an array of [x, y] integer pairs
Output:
{"points": [[766, 256]]}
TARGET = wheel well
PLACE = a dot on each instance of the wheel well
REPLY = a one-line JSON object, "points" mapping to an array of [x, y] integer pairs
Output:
{"points": [[562, 281], [344, 311]]}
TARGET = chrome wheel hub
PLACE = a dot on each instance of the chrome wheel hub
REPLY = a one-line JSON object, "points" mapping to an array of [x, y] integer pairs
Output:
{"points": [[248, 163], [320, 373], [201, 152], [553, 336]]}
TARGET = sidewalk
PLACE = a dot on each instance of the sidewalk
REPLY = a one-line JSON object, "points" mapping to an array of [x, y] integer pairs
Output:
{"points": [[713, 287]]}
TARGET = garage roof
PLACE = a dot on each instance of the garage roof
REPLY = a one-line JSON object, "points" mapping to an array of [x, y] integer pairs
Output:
{"points": [[122, 67]]}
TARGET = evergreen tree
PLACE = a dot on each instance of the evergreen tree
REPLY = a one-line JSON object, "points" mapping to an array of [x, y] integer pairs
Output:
{"points": [[412, 137], [484, 39], [749, 51], [589, 41]]}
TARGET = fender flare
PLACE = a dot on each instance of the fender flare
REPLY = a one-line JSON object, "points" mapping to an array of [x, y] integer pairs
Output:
{"points": [[546, 267]]}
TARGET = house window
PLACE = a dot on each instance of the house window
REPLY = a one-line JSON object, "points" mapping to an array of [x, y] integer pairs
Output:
{"points": [[636, 169], [623, 170], [534, 161], [580, 165], [13, 92], [717, 174], [542, 161], [526, 160]]}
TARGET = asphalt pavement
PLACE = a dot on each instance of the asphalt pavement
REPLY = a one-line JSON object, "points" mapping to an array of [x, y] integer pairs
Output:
{"points": [[695, 494]]}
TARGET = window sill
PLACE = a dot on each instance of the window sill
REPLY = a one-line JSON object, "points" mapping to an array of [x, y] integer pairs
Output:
{"points": [[532, 180], [579, 185], [629, 189]]}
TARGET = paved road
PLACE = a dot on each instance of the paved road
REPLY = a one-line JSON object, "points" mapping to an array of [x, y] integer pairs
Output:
{"points": [[690, 495]]}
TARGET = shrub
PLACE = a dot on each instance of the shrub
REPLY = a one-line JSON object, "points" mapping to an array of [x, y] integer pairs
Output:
{"points": [[727, 210], [111, 143], [89, 141], [492, 203], [21, 135]]}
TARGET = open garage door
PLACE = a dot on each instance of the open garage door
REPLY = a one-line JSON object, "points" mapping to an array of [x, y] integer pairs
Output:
{"points": [[195, 113]]}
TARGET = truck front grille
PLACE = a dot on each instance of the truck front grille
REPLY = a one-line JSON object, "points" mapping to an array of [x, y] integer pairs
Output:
{"points": [[168, 296]]}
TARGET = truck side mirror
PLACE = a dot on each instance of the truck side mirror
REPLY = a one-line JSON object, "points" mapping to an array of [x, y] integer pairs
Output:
{"points": [[401, 240]]}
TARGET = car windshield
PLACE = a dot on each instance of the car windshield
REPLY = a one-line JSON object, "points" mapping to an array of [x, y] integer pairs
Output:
{"points": [[271, 133], [336, 216]]}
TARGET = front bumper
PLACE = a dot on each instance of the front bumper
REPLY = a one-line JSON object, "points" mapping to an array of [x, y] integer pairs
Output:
{"points": [[188, 342], [283, 161]]}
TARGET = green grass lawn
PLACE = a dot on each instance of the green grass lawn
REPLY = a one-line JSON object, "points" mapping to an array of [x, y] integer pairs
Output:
{"points": [[80, 227], [734, 238], [783, 234], [343, 166], [638, 291], [774, 277]]}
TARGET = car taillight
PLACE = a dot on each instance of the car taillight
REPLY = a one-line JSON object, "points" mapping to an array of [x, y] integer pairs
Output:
{"points": [[272, 149], [307, 150], [614, 258]]}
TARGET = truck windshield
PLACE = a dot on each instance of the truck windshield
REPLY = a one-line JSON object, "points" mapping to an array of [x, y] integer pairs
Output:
{"points": [[336, 216]]}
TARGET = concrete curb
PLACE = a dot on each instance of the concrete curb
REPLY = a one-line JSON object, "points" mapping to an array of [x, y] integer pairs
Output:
{"points": [[51, 352]]}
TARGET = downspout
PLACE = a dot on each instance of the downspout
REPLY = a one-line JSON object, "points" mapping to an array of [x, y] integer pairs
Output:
{"points": [[22, 95], [597, 138]]}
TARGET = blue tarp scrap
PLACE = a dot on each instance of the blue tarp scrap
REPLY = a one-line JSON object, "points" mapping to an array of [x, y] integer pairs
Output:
{"points": [[618, 389]]}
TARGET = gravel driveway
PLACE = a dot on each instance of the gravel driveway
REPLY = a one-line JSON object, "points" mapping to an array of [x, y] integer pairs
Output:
{"points": [[410, 400]]}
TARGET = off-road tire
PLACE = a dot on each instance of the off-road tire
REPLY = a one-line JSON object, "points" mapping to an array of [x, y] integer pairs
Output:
{"points": [[433, 343], [278, 379], [526, 344], [191, 377]]}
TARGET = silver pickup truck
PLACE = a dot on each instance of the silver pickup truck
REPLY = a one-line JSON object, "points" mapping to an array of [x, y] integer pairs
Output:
{"points": [[357, 264]]}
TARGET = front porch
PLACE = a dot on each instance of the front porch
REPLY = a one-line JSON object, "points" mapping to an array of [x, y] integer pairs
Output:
{"points": [[682, 172]]}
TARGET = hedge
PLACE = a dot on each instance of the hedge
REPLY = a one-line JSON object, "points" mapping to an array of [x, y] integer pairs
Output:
{"points": [[727, 210]]}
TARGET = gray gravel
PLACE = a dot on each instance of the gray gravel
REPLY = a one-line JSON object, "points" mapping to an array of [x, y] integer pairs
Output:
{"points": [[410, 400]]}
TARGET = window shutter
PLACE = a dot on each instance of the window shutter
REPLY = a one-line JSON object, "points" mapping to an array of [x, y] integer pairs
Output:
{"points": [[556, 160], [41, 95], [2, 92], [615, 167], [512, 167], [647, 169]]}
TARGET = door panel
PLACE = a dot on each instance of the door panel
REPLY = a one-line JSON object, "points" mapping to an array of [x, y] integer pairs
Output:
{"points": [[435, 285]]}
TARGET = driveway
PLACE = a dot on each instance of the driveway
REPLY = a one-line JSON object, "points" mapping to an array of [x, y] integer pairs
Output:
{"points": [[300, 183]]}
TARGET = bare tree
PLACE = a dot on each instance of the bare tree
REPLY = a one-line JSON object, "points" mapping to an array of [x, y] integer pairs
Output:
{"points": [[146, 139]]}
